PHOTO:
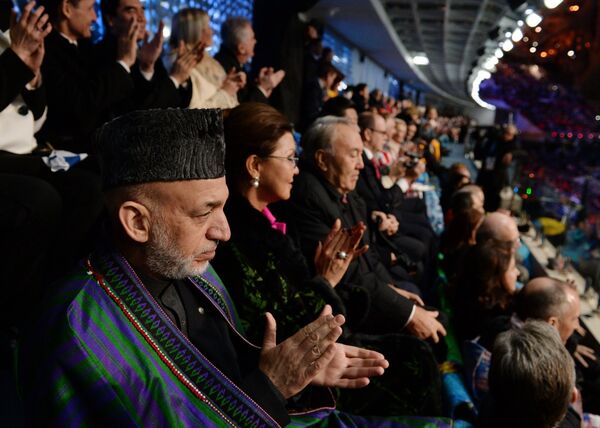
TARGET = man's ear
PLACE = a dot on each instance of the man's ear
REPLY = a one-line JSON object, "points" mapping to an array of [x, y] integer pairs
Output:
{"points": [[553, 321], [253, 166], [135, 220], [66, 7], [321, 159], [366, 134]]}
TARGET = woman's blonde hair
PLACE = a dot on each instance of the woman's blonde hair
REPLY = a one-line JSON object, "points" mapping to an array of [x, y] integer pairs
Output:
{"points": [[187, 25]]}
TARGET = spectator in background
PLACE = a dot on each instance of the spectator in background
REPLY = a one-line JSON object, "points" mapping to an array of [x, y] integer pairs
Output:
{"points": [[360, 97], [497, 157], [322, 193], [315, 93], [81, 95], [212, 87], [237, 48], [45, 215], [395, 145], [154, 87], [484, 288], [532, 379], [340, 107]]}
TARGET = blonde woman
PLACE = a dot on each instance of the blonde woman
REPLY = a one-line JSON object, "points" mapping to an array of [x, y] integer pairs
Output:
{"points": [[212, 86]]}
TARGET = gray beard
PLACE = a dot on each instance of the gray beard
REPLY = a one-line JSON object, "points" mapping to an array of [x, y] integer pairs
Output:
{"points": [[165, 259]]}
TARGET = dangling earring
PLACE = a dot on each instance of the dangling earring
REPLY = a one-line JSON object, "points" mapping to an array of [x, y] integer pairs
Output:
{"points": [[254, 182]]}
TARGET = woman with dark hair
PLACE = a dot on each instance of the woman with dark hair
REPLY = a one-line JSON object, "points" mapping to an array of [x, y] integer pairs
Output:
{"points": [[484, 287], [265, 270]]}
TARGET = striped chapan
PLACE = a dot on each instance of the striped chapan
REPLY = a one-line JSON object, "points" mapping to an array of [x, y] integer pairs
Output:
{"points": [[106, 355]]}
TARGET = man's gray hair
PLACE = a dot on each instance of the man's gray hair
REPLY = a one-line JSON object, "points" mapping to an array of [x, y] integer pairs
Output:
{"points": [[234, 31], [320, 136], [531, 378]]}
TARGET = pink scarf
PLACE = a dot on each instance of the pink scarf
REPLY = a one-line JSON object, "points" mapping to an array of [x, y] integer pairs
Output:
{"points": [[274, 223]]}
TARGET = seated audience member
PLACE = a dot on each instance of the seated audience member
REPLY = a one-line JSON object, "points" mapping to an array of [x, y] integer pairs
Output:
{"points": [[532, 379], [154, 87], [457, 177], [360, 97], [484, 288], [314, 93], [237, 48], [402, 218], [324, 192], [80, 95], [477, 199], [55, 209], [341, 107], [212, 87], [460, 234], [503, 227], [145, 322], [558, 304], [395, 145], [266, 271]]}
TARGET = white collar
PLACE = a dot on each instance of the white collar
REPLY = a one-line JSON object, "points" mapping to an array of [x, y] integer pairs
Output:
{"points": [[73, 42]]}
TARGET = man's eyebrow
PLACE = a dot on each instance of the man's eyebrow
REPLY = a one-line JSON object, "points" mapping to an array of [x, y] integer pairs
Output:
{"points": [[213, 204]]}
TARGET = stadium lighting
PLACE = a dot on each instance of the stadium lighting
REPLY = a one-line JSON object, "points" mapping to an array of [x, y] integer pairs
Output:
{"points": [[498, 53], [517, 35], [507, 45], [533, 19], [480, 77], [420, 60], [551, 4]]}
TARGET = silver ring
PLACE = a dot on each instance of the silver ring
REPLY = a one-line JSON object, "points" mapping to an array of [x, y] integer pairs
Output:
{"points": [[342, 255]]}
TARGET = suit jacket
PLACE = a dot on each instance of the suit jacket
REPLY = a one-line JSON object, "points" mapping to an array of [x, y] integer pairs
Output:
{"points": [[369, 188], [80, 95], [266, 270], [158, 92], [251, 92], [312, 102], [312, 210], [21, 110], [14, 75]]}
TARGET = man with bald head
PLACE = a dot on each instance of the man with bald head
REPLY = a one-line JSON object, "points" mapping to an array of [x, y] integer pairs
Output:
{"points": [[552, 301], [499, 226], [556, 303]]}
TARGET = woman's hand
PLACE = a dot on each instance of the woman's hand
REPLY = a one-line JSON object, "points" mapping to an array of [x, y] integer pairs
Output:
{"points": [[333, 256]]}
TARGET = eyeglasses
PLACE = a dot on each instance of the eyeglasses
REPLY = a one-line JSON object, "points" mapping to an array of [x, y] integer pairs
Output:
{"points": [[291, 159], [378, 131]]}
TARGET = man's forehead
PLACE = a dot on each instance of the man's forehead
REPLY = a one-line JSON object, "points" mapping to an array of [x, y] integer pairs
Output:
{"points": [[347, 136], [201, 190]]}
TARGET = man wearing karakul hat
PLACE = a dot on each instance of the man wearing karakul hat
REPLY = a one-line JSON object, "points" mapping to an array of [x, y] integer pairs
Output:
{"points": [[143, 333]]}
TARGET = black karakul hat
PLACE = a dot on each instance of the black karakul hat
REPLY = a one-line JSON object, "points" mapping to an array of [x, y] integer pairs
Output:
{"points": [[161, 145]]}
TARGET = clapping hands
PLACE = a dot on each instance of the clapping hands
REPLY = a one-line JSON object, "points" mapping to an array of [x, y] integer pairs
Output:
{"points": [[27, 38], [340, 247]]}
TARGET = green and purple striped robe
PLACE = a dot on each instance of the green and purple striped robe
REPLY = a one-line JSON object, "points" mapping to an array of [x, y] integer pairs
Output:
{"points": [[107, 355]]}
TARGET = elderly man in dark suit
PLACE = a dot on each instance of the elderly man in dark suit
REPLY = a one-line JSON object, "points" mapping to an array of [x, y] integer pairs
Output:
{"points": [[237, 49], [324, 192]]}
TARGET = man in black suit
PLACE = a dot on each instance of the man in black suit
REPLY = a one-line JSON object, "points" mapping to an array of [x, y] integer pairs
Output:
{"points": [[80, 95], [237, 48], [45, 215], [322, 193], [154, 87], [403, 220], [314, 93]]}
